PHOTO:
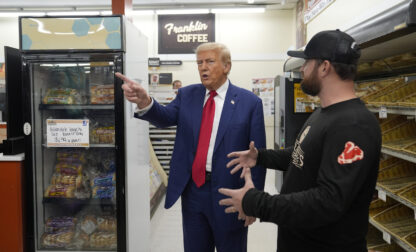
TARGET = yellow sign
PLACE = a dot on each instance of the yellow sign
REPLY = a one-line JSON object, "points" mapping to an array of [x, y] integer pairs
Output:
{"points": [[302, 102]]}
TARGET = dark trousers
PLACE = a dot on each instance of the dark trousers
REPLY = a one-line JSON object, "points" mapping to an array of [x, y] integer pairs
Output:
{"points": [[201, 233]]}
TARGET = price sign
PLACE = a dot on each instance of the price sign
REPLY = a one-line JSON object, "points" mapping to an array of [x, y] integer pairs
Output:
{"points": [[383, 112], [67, 133], [382, 195], [387, 237]]}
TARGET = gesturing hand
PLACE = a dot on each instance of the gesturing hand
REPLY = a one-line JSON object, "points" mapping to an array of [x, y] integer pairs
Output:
{"points": [[234, 203], [243, 159], [134, 92]]}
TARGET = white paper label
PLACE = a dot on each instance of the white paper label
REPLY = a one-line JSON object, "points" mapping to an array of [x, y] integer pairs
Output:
{"points": [[383, 112], [382, 195], [67, 133], [387, 237]]}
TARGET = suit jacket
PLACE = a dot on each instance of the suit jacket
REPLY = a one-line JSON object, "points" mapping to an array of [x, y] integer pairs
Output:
{"points": [[241, 121]]}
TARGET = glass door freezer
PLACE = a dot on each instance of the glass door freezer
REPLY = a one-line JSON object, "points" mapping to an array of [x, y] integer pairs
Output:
{"points": [[74, 140]]}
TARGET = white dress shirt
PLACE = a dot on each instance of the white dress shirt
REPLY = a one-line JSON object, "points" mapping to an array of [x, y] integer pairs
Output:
{"points": [[219, 104]]}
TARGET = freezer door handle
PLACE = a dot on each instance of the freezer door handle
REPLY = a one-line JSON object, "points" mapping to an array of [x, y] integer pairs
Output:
{"points": [[27, 128]]}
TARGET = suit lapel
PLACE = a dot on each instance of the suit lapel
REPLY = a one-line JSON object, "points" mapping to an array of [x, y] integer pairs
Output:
{"points": [[196, 113], [230, 103]]}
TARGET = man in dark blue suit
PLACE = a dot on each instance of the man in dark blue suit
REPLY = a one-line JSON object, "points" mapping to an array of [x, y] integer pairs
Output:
{"points": [[213, 118]]}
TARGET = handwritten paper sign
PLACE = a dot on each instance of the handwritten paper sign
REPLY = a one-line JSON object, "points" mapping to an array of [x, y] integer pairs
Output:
{"points": [[67, 133]]}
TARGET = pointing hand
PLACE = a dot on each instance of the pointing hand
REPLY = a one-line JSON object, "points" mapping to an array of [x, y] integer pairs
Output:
{"points": [[134, 92]]}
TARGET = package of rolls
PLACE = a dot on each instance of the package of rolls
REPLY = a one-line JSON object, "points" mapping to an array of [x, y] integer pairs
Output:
{"points": [[69, 179], [59, 232], [62, 96], [88, 231], [96, 232], [102, 94]]}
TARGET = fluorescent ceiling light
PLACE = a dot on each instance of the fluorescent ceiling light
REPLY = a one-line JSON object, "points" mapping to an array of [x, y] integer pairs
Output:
{"points": [[17, 14], [142, 12], [106, 13], [73, 13], [238, 10], [250, 1], [182, 11]]}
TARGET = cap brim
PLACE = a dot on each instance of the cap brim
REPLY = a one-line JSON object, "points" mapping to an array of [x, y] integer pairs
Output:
{"points": [[297, 54]]}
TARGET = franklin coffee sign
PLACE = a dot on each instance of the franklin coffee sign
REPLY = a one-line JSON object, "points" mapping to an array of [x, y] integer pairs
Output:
{"points": [[183, 33]]}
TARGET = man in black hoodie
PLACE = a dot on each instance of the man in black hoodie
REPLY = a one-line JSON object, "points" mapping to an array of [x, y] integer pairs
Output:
{"points": [[331, 171]]}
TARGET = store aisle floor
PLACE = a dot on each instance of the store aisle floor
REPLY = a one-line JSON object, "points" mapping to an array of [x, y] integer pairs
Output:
{"points": [[166, 233]]}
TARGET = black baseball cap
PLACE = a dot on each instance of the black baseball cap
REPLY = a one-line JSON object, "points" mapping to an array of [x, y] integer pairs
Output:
{"points": [[333, 45]]}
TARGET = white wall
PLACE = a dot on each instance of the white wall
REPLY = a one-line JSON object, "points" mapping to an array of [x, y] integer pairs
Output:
{"points": [[9, 28], [261, 39], [137, 149], [344, 14], [258, 44]]}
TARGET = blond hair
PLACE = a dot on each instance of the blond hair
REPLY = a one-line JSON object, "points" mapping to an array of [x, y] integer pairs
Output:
{"points": [[225, 54]]}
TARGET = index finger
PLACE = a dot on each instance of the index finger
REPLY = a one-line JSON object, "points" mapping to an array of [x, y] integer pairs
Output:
{"points": [[226, 192], [123, 77], [232, 162], [233, 154]]}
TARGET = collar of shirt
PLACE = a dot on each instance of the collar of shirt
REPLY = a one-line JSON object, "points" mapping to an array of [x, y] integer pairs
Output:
{"points": [[221, 91]]}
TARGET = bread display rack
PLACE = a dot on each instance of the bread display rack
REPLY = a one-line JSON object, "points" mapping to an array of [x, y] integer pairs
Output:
{"points": [[386, 82], [163, 139]]}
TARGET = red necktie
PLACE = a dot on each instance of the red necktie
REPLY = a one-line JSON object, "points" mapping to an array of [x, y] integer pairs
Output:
{"points": [[200, 161]]}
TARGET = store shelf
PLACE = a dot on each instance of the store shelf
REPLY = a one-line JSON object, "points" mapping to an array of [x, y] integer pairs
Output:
{"points": [[76, 106], [397, 110], [397, 198], [163, 131], [151, 127], [161, 136], [164, 152], [163, 142], [91, 146], [72, 201], [399, 154], [400, 242], [158, 147]]}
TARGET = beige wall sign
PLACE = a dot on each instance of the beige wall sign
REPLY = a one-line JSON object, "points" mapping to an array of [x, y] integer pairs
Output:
{"points": [[314, 7]]}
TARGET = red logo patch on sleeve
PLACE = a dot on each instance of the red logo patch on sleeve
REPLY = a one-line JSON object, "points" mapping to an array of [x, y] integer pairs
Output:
{"points": [[350, 154]]}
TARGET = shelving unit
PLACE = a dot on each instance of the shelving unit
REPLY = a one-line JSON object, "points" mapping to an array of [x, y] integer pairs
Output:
{"points": [[384, 43], [397, 198], [399, 154], [409, 111], [388, 236], [163, 139]]}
